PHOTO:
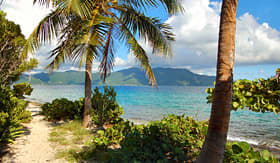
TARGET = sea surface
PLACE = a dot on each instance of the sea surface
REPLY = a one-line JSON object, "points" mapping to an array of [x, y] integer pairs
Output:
{"points": [[142, 104]]}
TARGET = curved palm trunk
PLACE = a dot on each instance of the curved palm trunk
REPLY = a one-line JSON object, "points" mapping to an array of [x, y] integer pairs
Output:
{"points": [[87, 105], [214, 145]]}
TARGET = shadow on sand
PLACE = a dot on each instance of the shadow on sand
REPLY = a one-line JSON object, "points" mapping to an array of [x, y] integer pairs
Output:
{"points": [[5, 149]]}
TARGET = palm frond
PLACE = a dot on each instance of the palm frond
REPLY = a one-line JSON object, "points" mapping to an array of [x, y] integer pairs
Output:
{"points": [[72, 45], [43, 2], [152, 30], [172, 6], [108, 55], [46, 30], [138, 52], [83, 8], [140, 5]]}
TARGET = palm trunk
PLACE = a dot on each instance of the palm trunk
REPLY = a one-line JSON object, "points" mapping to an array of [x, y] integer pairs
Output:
{"points": [[87, 106], [214, 145]]}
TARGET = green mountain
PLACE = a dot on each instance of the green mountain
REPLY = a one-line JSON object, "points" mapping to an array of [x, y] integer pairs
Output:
{"points": [[131, 76]]}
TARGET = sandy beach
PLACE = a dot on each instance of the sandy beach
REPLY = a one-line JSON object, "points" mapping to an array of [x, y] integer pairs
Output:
{"points": [[33, 146]]}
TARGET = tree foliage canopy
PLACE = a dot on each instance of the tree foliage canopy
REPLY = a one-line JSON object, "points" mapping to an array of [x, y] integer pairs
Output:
{"points": [[89, 29], [11, 45], [259, 95]]}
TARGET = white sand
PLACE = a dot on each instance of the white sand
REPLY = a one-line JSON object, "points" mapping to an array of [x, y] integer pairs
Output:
{"points": [[34, 146]]}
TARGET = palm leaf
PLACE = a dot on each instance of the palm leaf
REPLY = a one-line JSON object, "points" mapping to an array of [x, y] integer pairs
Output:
{"points": [[138, 52], [152, 30], [172, 6], [46, 30], [108, 55]]}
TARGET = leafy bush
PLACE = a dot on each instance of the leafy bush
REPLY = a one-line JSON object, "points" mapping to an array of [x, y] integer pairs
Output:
{"points": [[63, 109], [105, 108], [12, 113], [114, 135], [242, 152], [22, 89], [174, 138], [259, 95]]}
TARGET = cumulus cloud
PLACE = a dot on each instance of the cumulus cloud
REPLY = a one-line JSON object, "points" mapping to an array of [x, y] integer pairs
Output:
{"points": [[197, 39], [256, 43]]}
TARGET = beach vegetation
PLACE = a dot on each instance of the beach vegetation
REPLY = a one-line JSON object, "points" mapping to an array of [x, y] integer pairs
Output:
{"points": [[88, 30], [172, 139], [259, 95], [62, 109], [12, 114], [22, 89], [105, 108], [242, 152], [69, 138], [13, 64], [12, 41]]}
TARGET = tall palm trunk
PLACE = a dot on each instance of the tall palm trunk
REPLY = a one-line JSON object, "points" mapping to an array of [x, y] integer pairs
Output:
{"points": [[87, 106], [214, 145]]}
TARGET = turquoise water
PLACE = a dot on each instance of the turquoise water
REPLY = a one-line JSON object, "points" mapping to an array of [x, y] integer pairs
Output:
{"points": [[147, 103]]}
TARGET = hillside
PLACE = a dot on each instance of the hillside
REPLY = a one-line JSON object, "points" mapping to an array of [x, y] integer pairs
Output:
{"points": [[131, 76]]}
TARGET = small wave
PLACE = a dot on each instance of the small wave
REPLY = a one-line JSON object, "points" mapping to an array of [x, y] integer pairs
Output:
{"points": [[239, 139]]}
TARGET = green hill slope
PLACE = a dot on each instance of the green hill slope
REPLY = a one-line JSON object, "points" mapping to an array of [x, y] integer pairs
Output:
{"points": [[131, 76]]}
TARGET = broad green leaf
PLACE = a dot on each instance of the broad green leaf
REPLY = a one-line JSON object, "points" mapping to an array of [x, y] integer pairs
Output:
{"points": [[265, 154], [245, 146], [236, 149], [235, 104]]}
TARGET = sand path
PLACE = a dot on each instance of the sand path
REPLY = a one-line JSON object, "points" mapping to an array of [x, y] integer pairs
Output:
{"points": [[33, 146]]}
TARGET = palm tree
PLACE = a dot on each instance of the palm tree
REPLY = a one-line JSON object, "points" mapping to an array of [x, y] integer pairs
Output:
{"points": [[214, 145], [87, 30]]}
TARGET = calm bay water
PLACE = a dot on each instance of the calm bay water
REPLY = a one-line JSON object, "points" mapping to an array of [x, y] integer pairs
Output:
{"points": [[147, 103]]}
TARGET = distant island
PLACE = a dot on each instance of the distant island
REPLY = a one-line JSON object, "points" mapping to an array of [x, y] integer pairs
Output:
{"points": [[131, 76]]}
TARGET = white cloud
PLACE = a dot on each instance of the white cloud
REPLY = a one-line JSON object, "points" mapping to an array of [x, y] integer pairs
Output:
{"points": [[256, 43], [24, 13], [197, 39]]}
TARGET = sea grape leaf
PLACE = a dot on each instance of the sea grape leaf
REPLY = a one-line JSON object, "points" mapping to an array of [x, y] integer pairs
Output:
{"points": [[265, 154], [245, 146], [236, 149]]}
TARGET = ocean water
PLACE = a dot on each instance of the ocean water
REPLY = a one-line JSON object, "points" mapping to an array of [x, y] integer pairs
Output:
{"points": [[147, 103]]}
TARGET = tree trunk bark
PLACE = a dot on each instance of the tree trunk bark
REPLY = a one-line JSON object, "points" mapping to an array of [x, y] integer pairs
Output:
{"points": [[87, 107], [214, 145]]}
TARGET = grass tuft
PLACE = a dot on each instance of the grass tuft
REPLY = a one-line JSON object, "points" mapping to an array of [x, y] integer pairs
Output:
{"points": [[70, 139]]}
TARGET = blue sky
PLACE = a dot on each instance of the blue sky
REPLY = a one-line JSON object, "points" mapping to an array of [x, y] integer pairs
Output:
{"points": [[257, 40]]}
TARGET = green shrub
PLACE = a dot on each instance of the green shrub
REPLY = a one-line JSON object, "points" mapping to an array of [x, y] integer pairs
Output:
{"points": [[22, 89], [63, 109], [12, 113], [174, 138], [25, 116], [113, 135], [259, 95], [105, 108], [242, 152]]}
